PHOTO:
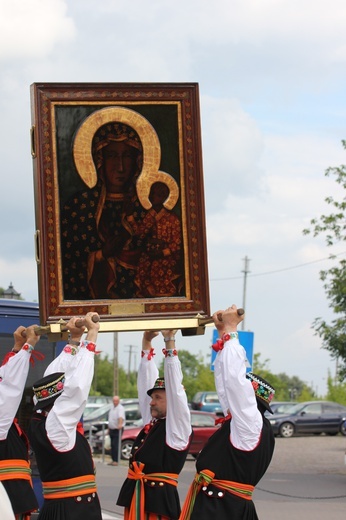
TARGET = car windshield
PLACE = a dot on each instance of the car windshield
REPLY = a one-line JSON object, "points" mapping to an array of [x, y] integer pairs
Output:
{"points": [[95, 414], [295, 408], [211, 398], [135, 424], [90, 409]]}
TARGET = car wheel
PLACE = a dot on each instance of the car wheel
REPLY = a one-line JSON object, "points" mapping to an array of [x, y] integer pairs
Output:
{"points": [[126, 448], [286, 430], [343, 428]]}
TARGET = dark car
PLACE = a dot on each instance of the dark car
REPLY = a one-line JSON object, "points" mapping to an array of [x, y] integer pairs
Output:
{"points": [[206, 402], [280, 407], [310, 417]]}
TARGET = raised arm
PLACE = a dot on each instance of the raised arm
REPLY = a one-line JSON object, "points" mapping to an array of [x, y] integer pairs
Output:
{"points": [[67, 410], [232, 386], [13, 376], [147, 374], [178, 418]]}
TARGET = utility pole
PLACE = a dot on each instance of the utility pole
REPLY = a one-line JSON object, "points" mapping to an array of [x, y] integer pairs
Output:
{"points": [[130, 357], [245, 271], [115, 365]]}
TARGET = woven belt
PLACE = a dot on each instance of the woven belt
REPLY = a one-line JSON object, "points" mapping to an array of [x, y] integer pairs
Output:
{"points": [[15, 468], [206, 477], [70, 487], [136, 510]]}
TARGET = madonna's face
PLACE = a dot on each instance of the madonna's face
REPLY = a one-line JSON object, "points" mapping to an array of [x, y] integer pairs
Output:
{"points": [[120, 163]]}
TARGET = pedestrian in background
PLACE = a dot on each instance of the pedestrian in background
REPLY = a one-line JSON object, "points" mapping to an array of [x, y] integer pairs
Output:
{"points": [[116, 423]]}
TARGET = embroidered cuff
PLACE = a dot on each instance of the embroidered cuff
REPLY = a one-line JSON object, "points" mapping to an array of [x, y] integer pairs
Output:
{"points": [[28, 347], [70, 349], [150, 353], [219, 344], [89, 345], [169, 352]]}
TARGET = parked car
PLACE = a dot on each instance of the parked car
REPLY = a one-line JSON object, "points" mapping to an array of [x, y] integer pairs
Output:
{"points": [[310, 417], [203, 425], [95, 402], [206, 402], [98, 418], [99, 399], [280, 407]]}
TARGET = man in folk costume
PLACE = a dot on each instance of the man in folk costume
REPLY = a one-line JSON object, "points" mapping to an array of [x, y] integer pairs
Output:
{"points": [[160, 450], [238, 454], [63, 454], [15, 472]]}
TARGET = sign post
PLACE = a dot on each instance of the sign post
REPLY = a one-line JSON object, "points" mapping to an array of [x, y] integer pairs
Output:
{"points": [[246, 340]]}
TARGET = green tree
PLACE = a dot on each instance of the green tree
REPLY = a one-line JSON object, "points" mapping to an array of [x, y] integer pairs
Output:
{"points": [[333, 226], [336, 391], [103, 377], [287, 388], [196, 374]]}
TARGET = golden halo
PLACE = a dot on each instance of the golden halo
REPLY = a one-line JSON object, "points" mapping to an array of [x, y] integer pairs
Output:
{"points": [[82, 152], [143, 186]]}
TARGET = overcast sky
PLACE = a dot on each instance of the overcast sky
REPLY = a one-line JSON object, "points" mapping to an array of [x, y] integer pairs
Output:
{"points": [[272, 81]]}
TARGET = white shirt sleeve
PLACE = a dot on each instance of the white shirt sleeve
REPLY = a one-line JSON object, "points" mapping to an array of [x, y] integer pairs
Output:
{"points": [[5, 505], [178, 417], [147, 375], [62, 362], [237, 391], [13, 377], [68, 408]]}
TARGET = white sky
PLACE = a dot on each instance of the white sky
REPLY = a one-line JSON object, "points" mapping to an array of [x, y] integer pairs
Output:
{"points": [[272, 81]]}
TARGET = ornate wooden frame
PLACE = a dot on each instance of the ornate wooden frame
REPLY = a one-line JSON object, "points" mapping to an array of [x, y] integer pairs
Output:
{"points": [[167, 119]]}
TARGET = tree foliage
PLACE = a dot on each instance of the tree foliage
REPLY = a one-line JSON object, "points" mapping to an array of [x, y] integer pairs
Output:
{"points": [[197, 376], [333, 226], [287, 388]]}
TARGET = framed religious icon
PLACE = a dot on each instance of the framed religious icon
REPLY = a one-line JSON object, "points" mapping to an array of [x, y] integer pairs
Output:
{"points": [[119, 200]]}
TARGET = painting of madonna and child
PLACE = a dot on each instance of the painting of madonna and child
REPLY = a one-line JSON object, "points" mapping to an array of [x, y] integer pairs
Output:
{"points": [[114, 248], [129, 205]]}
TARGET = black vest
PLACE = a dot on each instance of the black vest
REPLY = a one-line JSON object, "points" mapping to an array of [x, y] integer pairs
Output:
{"points": [[152, 450], [56, 465], [229, 463], [20, 492]]}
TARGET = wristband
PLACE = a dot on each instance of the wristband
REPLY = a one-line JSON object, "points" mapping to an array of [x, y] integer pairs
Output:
{"points": [[169, 339], [72, 342]]}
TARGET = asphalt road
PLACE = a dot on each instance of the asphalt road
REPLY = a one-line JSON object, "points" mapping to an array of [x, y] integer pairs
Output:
{"points": [[305, 481]]}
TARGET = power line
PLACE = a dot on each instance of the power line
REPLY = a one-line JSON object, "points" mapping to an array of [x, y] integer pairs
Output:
{"points": [[279, 270]]}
